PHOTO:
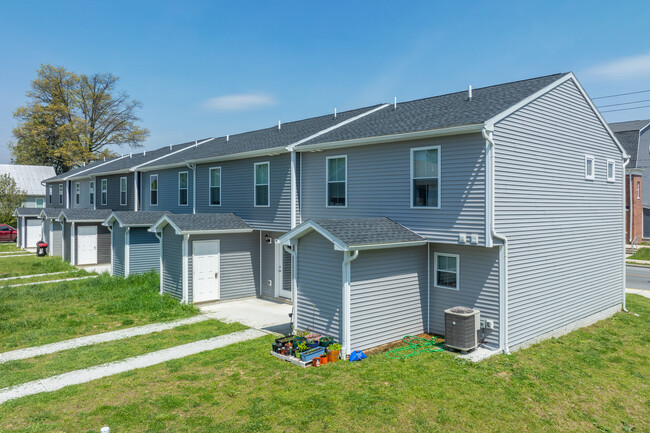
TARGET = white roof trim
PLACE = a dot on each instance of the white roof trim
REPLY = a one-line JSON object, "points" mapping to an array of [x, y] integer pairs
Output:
{"points": [[164, 220], [291, 147], [169, 154], [453, 130], [74, 176], [489, 124], [387, 245]]}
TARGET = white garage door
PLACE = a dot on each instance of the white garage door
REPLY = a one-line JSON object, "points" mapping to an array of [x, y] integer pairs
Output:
{"points": [[33, 227], [205, 266], [86, 245]]}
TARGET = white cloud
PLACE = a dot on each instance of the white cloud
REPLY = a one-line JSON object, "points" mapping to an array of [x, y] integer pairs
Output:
{"points": [[627, 67], [239, 102]]}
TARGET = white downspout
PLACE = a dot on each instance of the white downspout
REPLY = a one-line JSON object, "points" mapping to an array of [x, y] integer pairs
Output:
{"points": [[631, 200], [294, 284], [193, 168], [136, 195], [503, 249], [627, 161], [293, 189], [347, 259]]}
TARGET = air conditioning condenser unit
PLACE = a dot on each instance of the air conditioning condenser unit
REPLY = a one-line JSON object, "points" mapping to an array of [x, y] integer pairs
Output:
{"points": [[461, 328]]}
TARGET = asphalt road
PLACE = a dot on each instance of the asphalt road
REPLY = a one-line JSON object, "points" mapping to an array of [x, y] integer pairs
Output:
{"points": [[637, 277]]}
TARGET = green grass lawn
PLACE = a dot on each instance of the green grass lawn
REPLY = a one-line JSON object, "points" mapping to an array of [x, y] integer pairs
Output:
{"points": [[44, 313], [16, 372], [30, 265], [9, 246], [641, 254], [596, 379]]}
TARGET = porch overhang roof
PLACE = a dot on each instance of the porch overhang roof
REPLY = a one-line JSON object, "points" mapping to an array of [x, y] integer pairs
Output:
{"points": [[202, 224], [84, 215], [133, 218]]}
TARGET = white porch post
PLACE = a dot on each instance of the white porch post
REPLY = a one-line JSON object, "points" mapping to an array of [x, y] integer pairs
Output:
{"points": [[127, 252], [185, 279], [73, 244], [346, 337]]}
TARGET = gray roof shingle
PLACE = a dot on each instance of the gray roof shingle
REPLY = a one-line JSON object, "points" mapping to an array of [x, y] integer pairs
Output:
{"points": [[50, 212], [261, 139], [28, 211], [137, 219], [453, 109], [74, 215], [630, 125], [367, 231], [208, 221], [630, 142]]}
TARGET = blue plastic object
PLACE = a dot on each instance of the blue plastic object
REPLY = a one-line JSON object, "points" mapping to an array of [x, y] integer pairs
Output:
{"points": [[357, 355], [311, 354]]}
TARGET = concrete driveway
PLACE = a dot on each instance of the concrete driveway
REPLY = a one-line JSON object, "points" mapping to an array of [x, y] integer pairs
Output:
{"points": [[637, 280], [254, 312]]}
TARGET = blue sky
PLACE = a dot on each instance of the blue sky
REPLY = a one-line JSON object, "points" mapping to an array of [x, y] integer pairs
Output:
{"points": [[209, 68]]}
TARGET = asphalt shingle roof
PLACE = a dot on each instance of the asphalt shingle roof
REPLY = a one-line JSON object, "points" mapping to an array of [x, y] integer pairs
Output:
{"points": [[630, 142], [75, 170], [453, 109], [268, 138], [208, 221], [631, 125], [367, 231], [85, 214], [28, 211], [142, 219], [50, 212]]}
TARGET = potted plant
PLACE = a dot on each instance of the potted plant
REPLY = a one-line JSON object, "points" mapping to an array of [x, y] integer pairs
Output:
{"points": [[325, 341], [311, 354], [334, 350], [302, 347], [323, 358], [312, 342]]}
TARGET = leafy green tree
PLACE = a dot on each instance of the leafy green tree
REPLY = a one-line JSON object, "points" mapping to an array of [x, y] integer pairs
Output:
{"points": [[71, 120], [11, 197]]}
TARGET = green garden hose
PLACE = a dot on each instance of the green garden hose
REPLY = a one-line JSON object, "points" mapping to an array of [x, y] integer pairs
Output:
{"points": [[415, 346]]}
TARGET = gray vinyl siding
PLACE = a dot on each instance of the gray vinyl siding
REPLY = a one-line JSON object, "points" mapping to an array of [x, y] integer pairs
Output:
{"points": [[388, 295], [67, 231], [172, 253], [30, 201], [144, 251], [319, 294], [113, 192], [239, 265], [545, 207], [55, 195], [55, 246], [84, 197], [478, 284], [643, 161], [45, 231], [378, 184], [167, 191], [237, 191], [118, 250]]}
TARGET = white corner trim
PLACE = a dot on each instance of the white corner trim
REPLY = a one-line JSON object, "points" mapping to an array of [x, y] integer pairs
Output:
{"points": [[186, 269], [127, 251]]}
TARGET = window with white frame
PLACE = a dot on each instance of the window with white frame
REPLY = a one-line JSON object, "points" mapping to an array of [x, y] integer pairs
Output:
{"points": [[425, 177], [262, 193], [182, 188], [40, 202], [123, 191], [638, 190], [60, 193], [104, 191], [215, 186], [590, 167], [77, 193], [153, 190], [446, 270], [337, 180], [91, 192], [50, 196], [611, 171]]}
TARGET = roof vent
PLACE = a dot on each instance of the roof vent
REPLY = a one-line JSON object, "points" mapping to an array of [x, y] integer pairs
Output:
{"points": [[170, 146], [144, 153], [130, 154], [227, 138], [279, 125], [469, 93], [335, 112], [395, 104], [196, 143]]}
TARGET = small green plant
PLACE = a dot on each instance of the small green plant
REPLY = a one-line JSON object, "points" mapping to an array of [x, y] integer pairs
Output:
{"points": [[335, 346]]}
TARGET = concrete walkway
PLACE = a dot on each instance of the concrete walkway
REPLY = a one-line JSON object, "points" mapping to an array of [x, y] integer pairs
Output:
{"points": [[52, 281], [105, 337], [641, 292], [86, 375], [34, 276], [253, 312]]}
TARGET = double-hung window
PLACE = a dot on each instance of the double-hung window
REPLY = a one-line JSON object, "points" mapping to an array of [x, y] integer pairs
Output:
{"points": [[39, 202], [77, 192], [104, 191], [123, 191], [215, 186], [60, 193], [611, 170], [50, 196], [153, 190], [262, 193], [590, 167], [446, 270], [425, 177], [337, 177], [91, 192], [182, 188]]}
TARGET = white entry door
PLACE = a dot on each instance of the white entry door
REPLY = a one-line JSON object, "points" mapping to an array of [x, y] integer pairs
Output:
{"points": [[282, 272], [33, 229], [86, 245], [206, 279]]}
